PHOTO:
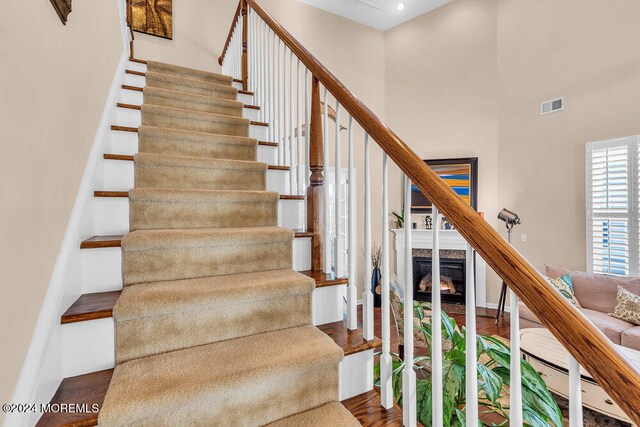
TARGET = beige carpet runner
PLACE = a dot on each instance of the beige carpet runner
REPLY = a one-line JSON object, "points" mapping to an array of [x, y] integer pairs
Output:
{"points": [[213, 326]]}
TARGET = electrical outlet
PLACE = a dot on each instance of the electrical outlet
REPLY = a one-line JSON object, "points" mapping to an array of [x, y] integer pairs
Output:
{"points": [[523, 237]]}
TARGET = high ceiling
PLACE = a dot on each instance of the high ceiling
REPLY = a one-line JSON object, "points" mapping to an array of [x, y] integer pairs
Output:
{"points": [[380, 14]]}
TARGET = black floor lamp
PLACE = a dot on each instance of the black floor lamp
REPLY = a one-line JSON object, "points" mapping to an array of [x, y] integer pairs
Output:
{"points": [[510, 219]]}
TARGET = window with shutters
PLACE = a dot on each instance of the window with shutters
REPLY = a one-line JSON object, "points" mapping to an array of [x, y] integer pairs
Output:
{"points": [[613, 181]]}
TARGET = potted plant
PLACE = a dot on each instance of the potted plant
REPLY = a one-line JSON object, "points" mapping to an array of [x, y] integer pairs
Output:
{"points": [[376, 257], [494, 358]]}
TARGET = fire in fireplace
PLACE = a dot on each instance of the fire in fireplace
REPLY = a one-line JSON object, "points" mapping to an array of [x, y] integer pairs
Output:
{"points": [[452, 279]]}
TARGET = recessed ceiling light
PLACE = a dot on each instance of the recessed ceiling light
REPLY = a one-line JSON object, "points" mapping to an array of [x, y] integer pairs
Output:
{"points": [[399, 7]]}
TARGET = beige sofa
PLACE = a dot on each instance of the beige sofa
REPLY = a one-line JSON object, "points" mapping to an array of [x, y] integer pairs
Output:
{"points": [[597, 296]]}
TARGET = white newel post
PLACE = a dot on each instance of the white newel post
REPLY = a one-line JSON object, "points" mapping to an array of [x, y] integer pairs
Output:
{"points": [[408, 375]]}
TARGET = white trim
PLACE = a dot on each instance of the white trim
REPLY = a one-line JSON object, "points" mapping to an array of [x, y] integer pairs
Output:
{"points": [[36, 381]]}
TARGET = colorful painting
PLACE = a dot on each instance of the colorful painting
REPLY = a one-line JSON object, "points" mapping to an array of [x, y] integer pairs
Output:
{"points": [[460, 174], [153, 17]]}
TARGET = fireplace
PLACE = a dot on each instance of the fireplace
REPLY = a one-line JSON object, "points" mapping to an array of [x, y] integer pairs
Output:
{"points": [[452, 279]]}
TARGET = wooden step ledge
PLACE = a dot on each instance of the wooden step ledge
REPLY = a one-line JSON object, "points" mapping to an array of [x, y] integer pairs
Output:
{"points": [[91, 307], [129, 158], [125, 194], [135, 73], [139, 61], [92, 388], [133, 88], [245, 92], [238, 81], [114, 241], [99, 305], [139, 107], [268, 144]]}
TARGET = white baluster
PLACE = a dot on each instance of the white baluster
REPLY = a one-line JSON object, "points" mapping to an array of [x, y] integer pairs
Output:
{"points": [[386, 387], [328, 261], [515, 383], [292, 174], [575, 394], [285, 112], [337, 190], [436, 324], [471, 408], [270, 84], [307, 128], [408, 374], [367, 295], [352, 303], [263, 107], [278, 108], [301, 189]]}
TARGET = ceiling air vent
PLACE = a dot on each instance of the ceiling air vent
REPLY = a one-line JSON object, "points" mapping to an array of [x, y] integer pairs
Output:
{"points": [[552, 106], [377, 4]]}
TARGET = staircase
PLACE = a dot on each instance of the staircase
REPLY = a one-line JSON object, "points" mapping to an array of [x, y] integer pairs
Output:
{"points": [[213, 321]]}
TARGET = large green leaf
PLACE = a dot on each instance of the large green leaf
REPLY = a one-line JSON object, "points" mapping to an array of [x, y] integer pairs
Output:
{"points": [[489, 382], [423, 400], [452, 383]]}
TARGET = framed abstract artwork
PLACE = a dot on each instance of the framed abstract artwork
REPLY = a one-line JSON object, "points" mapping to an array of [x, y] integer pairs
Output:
{"points": [[153, 17], [461, 175]]}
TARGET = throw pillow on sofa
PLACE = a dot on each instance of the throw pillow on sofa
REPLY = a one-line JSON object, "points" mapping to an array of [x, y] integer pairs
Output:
{"points": [[627, 306], [564, 285]]}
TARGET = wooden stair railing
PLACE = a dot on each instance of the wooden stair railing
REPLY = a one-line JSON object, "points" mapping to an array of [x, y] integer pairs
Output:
{"points": [[586, 343]]}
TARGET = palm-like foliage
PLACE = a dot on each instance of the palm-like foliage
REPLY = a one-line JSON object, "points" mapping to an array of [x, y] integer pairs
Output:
{"points": [[494, 360]]}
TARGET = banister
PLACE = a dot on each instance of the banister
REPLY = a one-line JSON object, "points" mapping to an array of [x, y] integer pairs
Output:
{"points": [[226, 44], [611, 369]]}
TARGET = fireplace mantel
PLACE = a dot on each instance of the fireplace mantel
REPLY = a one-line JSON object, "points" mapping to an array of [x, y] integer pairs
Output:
{"points": [[449, 239]]}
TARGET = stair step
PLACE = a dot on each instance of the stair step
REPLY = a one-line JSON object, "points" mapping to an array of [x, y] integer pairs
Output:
{"points": [[194, 86], [160, 389], [94, 306], [199, 311], [194, 121], [192, 102], [125, 194], [245, 92], [100, 305], [139, 61], [91, 389], [139, 107], [268, 144], [129, 158], [133, 88], [135, 73], [190, 73], [114, 241], [331, 414]]}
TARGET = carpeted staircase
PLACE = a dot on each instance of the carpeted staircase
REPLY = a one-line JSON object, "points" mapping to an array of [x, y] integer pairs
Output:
{"points": [[213, 326]]}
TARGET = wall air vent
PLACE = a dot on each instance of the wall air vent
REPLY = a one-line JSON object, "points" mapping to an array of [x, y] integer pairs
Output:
{"points": [[552, 106], [376, 4]]}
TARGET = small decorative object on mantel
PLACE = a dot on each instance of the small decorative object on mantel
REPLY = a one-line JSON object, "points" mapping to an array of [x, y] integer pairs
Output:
{"points": [[428, 222], [446, 225], [63, 9], [376, 286], [154, 17]]}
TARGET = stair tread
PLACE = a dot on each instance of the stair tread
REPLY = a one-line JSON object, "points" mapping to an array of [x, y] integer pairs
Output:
{"points": [[189, 295], [93, 306], [125, 194], [331, 414], [351, 341], [100, 305], [198, 162], [194, 72], [91, 389], [115, 241], [172, 380]]}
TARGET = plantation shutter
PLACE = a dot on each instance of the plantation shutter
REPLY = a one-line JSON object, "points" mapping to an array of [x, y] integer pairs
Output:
{"points": [[613, 182]]}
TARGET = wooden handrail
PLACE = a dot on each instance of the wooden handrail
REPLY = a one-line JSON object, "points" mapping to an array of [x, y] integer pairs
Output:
{"points": [[228, 42], [611, 369]]}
